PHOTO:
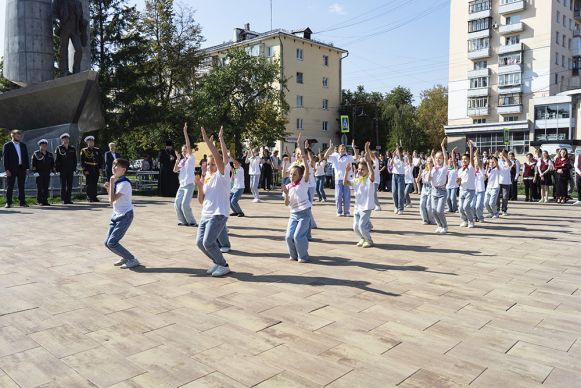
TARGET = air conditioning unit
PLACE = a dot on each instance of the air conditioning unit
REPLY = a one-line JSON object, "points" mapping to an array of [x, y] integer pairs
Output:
{"points": [[495, 26]]}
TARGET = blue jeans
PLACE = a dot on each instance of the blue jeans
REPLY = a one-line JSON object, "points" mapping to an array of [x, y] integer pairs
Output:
{"points": [[254, 181], [321, 188], [235, 195], [342, 198], [296, 234], [223, 239], [375, 195], [408, 189], [439, 197], [478, 205], [182, 204], [452, 200], [209, 230], [491, 201], [426, 204], [117, 229], [466, 209], [397, 189], [311, 194], [362, 224]]}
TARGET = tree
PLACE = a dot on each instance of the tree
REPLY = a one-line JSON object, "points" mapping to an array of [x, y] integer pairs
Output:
{"points": [[365, 114], [5, 85], [432, 115], [400, 115], [247, 97]]}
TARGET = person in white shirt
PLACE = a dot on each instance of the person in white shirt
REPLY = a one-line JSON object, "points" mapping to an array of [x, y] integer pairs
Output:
{"points": [[364, 187], [505, 181], [254, 162], [238, 187], [438, 177], [409, 182], [376, 168], [426, 189], [320, 165], [275, 168], [480, 188], [416, 167], [398, 180], [119, 193], [296, 197], [185, 166], [452, 185], [466, 179], [214, 196], [492, 188], [514, 175], [342, 193]]}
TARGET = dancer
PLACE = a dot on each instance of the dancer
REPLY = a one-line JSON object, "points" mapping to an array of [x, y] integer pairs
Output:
{"points": [[320, 165], [438, 176], [409, 182], [398, 180], [505, 181], [426, 191], [466, 179], [342, 194], [545, 170], [254, 161], [238, 187], [492, 187], [376, 172], [213, 194], [452, 185], [185, 165], [480, 188], [296, 197], [364, 187]]}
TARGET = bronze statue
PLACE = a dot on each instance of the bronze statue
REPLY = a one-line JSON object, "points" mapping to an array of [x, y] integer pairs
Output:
{"points": [[73, 26]]}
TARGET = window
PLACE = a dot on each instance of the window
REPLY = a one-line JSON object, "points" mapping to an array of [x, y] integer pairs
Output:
{"points": [[569, 44], [325, 104], [478, 5], [558, 17], [564, 40], [299, 101], [564, 21], [479, 121], [569, 64], [300, 54], [480, 102], [519, 141], [480, 82], [515, 39], [510, 59], [325, 60], [552, 111], [478, 44], [509, 99], [300, 124], [556, 78], [325, 126], [299, 77], [510, 118], [480, 65], [479, 24], [509, 79], [513, 19], [325, 82], [556, 58], [271, 51], [548, 134], [563, 61], [254, 50], [557, 37]]}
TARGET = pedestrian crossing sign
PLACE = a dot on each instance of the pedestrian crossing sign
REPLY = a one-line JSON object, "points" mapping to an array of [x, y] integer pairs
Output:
{"points": [[345, 124]]}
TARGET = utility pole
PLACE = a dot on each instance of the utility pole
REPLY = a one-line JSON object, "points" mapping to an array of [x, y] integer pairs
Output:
{"points": [[270, 15]]}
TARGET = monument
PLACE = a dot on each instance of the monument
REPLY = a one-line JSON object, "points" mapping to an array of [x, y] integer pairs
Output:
{"points": [[46, 107]]}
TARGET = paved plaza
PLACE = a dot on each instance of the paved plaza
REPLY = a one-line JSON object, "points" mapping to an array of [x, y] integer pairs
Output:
{"points": [[495, 306]]}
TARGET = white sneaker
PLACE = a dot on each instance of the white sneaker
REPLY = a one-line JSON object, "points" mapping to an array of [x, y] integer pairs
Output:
{"points": [[212, 268], [463, 224], [395, 211], [471, 224], [378, 208], [490, 216], [130, 264], [443, 230], [256, 200], [438, 230], [303, 260], [577, 203], [425, 223], [220, 271], [339, 214], [224, 249], [119, 262]]}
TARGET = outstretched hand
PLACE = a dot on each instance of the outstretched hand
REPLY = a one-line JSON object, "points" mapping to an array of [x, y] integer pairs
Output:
{"points": [[204, 134], [185, 128], [221, 133]]}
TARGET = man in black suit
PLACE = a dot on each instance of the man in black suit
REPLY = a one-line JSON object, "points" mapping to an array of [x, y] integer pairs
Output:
{"points": [[110, 156], [16, 162]]}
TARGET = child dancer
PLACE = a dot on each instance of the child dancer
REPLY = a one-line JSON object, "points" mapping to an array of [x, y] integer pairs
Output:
{"points": [[505, 181], [451, 186], [426, 191], [438, 176], [409, 182], [342, 194], [185, 165], [492, 188], [254, 162], [376, 168], [238, 187], [466, 178], [398, 180], [296, 197], [320, 177], [364, 186], [545, 172], [480, 174], [213, 194]]}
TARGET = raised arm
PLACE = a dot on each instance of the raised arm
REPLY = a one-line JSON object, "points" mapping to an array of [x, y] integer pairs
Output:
{"points": [[303, 157], [329, 150], [346, 181], [187, 139], [477, 157], [225, 152], [444, 150], [369, 162], [217, 158], [471, 148], [355, 150], [176, 166]]}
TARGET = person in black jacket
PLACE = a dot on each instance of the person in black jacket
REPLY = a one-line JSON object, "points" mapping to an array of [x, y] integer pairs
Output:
{"points": [[16, 162], [168, 180], [66, 165], [110, 156], [91, 163], [42, 167]]}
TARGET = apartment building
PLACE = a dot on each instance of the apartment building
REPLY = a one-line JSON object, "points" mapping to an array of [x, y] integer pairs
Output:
{"points": [[514, 78], [313, 70]]}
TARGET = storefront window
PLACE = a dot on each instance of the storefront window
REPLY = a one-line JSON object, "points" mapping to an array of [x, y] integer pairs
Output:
{"points": [[519, 142]]}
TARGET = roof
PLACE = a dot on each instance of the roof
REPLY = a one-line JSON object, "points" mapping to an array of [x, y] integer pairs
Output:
{"points": [[268, 34]]}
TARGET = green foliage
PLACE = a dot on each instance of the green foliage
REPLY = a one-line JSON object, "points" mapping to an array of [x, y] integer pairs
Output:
{"points": [[5, 85], [365, 114], [432, 115]]}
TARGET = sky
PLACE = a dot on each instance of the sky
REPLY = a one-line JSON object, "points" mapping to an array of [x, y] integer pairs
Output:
{"points": [[390, 42]]}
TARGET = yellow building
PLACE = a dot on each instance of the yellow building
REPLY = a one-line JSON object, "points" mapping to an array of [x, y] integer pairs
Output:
{"points": [[313, 70], [514, 73]]}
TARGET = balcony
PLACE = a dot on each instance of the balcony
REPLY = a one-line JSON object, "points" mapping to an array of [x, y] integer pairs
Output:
{"points": [[509, 109], [479, 54], [511, 28], [479, 9], [479, 73], [479, 34], [480, 15], [509, 69], [577, 14], [479, 92], [474, 112], [509, 89], [510, 48], [510, 6], [576, 47]]}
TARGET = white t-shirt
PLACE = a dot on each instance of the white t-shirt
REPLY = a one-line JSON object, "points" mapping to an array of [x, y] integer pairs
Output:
{"points": [[416, 161], [320, 168], [398, 166], [254, 165], [123, 204], [479, 182], [439, 176], [468, 178], [339, 163], [238, 179], [504, 173], [425, 177], [376, 170], [217, 194], [452, 175], [298, 195], [492, 179], [188, 171], [409, 176], [364, 194], [312, 181]]}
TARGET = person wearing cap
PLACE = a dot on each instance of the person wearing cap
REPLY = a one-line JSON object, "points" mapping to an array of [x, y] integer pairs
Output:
{"points": [[168, 179], [91, 163], [42, 167], [16, 162], [66, 165]]}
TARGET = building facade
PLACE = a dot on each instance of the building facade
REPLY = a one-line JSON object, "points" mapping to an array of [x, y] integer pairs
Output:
{"points": [[313, 72], [514, 73]]}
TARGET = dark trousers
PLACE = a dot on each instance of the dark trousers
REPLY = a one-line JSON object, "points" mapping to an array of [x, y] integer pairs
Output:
{"points": [[388, 179], [514, 189], [578, 182], [502, 201], [529, 189], [17, 175], [266, 179], [330, 183], [562, 186], [66, 185], [92, 180], [42, 183]]}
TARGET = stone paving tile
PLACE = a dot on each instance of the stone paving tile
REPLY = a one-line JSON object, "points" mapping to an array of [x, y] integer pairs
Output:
{"points": [[492, 306]]}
